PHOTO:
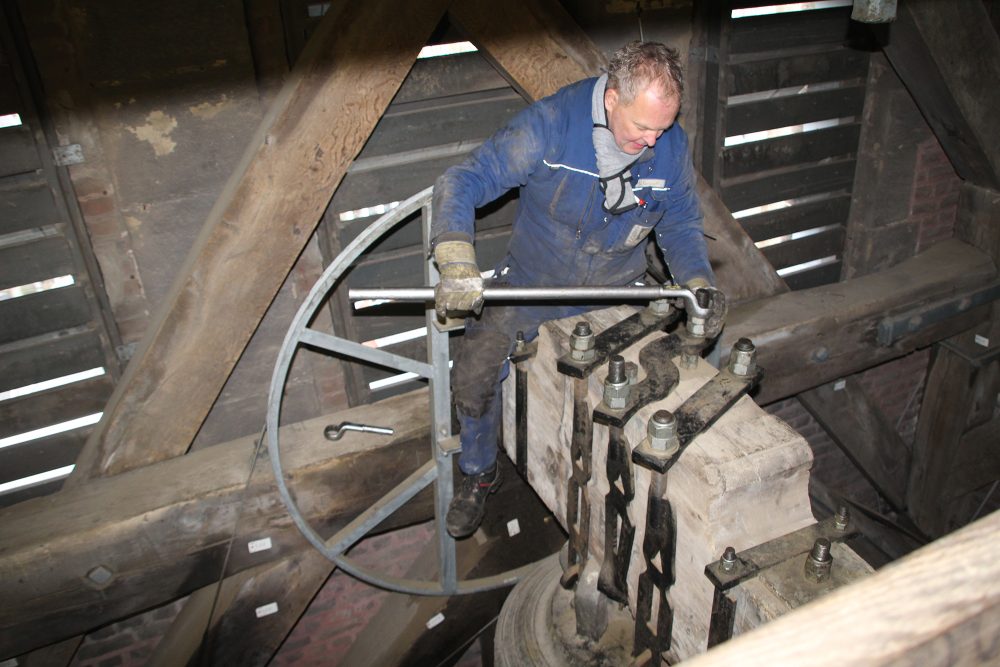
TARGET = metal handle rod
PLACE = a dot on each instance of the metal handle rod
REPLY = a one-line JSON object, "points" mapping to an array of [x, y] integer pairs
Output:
{"points": [[584, 293]]}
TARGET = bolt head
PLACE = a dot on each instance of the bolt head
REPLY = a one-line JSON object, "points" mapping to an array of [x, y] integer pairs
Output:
{"points": [[743, 358], [662, 431], [728, 560], [100, 575], [819, 562], [660, 307], [616, 393], [842, 518], [689, 360], [581, 343], [696, 326]]}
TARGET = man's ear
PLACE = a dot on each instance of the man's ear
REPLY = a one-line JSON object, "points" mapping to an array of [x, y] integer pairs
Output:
{"points": [[610, 99]]}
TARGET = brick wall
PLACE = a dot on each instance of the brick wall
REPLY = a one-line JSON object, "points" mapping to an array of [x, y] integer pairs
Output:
{"points": [[934, 199]]}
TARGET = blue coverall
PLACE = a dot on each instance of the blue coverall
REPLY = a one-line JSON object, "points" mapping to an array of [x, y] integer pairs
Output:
{"points": [[561, 236]]}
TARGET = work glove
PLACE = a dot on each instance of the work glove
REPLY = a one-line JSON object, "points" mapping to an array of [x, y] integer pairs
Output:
{"points": [[713, 299], [460, 288]]}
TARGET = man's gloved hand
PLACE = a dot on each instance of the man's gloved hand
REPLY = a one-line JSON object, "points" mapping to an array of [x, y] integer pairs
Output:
{"points": [[713, 299], [461, 287]]}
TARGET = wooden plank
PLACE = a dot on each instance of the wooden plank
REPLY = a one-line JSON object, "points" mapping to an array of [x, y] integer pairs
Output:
{"points": [[823, 275], [798, 251], [394, 183], [878, 232], [864, 434], [827, 211], [787, 110], [17, 148], [38, 456], [741, 270], [711, 36], [57, 655], [536, 44], [163, 541], [796, 67], [448, 75], [34, 411], [415, 125], [36, 261], [943, 52], [975, 223], [42, 313], [27, 207], [797, 149], [49, 356], [944, 413], [782, 31], [811, 337], [780, 185], [318, 124], [976, 461], [939, 605]]}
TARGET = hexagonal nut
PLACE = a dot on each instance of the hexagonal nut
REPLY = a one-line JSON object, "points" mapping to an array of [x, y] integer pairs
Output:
{"points": [[696, 326], [616, 395], [582, 355], [689, 360], [817, 572], [742, 363], [660, 307]]}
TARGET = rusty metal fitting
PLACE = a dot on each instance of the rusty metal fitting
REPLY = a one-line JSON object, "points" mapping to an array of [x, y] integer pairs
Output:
{"points": [[616, 386], [660, 307], [743, 358], [519, 342], [819, 561], [581, 343], [662, 430], [632, 372], [842, 518], [728, 560], [696, 326]]}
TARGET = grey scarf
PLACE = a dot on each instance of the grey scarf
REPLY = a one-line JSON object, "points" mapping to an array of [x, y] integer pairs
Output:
{"points": [[612, 162]]}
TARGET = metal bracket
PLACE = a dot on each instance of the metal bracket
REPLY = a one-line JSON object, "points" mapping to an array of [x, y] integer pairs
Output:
{"points": [[895, 327], [616, 338], [661, 378], [522, 352], [65, 156]]}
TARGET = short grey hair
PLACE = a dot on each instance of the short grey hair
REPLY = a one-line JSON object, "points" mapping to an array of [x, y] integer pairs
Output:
{"points": [[637, 65]]}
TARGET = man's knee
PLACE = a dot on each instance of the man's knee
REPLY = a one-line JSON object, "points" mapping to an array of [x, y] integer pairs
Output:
{"points": [[476, 373]]}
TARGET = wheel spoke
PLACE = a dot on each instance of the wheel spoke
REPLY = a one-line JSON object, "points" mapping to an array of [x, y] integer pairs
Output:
{"points": [[355, 350]]}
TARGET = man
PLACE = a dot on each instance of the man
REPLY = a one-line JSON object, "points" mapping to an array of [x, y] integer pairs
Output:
{"points": [[600, 165]]}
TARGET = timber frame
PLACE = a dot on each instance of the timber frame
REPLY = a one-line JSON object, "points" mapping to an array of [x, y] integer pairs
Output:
{"points": [[805, 340]]}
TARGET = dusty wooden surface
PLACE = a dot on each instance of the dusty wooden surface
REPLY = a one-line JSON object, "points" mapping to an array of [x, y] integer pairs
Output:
{"points": [[163, 530], [259, 225], [742, 482], [938, 606]]}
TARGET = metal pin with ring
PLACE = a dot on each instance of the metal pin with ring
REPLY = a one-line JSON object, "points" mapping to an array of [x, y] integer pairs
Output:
{"points": [[336, 431]]}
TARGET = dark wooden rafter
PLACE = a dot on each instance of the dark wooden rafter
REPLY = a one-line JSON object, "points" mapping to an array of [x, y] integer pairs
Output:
{"points": [[344, 80], [947, 54]]}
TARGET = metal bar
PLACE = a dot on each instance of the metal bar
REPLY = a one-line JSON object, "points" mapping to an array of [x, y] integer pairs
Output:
{"points": [[582, 293], [383, 507], [343, 346]]}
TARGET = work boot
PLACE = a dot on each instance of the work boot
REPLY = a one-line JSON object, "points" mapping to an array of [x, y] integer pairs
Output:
{"points": [[469, 504]]}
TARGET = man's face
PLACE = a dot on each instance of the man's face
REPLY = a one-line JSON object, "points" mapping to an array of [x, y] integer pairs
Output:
{"points": [[640, 123]]}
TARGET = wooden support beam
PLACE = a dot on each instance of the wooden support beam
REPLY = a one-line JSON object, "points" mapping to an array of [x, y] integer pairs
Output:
{"points": [[939, 605], [344, 80], [811, 337], [864, 434], [160, 541], [535, 45], [944, 52]]}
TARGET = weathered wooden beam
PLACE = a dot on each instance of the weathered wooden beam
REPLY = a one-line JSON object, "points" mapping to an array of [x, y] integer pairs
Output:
{"points": [[977, 461], [811, 337], [163, 531], [944, 52], [939, 605], [866, 436], [535, 45], [344, 80]]}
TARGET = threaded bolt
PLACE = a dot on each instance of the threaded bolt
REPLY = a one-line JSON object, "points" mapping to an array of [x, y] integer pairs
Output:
{"points": [[819, 561], [662, 431], [842, 518], [519, 341], [616, 387], [631, 372], [728, 560], [581, 342], [743, 358]]}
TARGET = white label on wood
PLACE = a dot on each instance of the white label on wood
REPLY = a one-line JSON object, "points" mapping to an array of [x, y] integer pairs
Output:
{"points": [[262, 544], [513, 527], [839, 385], [982, 340], [266, 610], [435, 620]]}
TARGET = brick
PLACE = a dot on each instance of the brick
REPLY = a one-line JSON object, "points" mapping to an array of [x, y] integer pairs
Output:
{"points": [[93, 649]]}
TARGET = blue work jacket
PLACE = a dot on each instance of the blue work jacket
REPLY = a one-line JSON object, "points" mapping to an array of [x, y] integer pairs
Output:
{"points": [[561, 233]]}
